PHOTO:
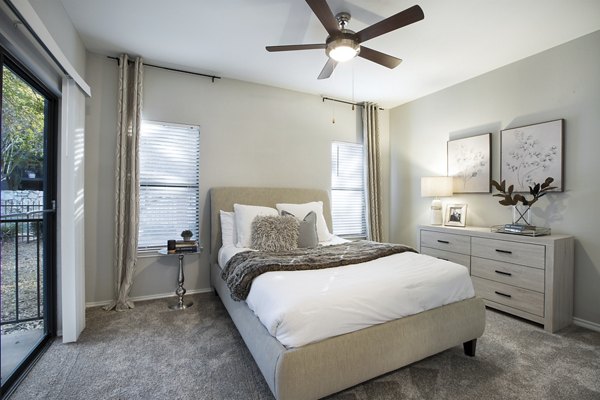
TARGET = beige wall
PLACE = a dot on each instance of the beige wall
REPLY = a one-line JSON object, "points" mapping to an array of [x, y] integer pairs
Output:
{"points": [[250, 135], [58, 23], [562, 82]]}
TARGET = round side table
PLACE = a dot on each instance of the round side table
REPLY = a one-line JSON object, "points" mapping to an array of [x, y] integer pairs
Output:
{"points": [[180, 291]]}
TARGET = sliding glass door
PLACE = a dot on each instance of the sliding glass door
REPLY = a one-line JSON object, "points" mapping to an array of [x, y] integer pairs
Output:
{"points": [[27, 208]]}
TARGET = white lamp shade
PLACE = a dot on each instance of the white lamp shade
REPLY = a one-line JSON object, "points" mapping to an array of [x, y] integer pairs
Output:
{"points": [[436, 186]]}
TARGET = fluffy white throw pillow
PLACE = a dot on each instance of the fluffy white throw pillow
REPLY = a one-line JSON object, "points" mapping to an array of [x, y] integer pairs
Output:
{"points": [[244, 215], [275, 234]]}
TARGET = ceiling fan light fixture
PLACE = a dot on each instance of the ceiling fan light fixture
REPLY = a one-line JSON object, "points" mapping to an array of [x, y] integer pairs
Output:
{"points": [[342, 44], [342, 49]]}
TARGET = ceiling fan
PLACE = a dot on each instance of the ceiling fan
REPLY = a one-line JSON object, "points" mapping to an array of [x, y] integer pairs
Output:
{"points": [[343, 44]]}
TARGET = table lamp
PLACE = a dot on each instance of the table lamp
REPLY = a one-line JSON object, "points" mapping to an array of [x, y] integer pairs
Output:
{"points": [[436, 186]]}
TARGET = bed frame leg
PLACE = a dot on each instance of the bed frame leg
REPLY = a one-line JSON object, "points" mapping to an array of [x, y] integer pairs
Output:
{"points": [[470, 347]]}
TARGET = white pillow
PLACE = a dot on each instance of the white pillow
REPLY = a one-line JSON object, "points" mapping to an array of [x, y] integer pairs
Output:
{"points": [[228, 231], [300, 211], [244, 215]]}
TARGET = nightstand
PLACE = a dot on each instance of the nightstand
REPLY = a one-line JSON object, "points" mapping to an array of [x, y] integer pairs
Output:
{"points": [[180, 291]]}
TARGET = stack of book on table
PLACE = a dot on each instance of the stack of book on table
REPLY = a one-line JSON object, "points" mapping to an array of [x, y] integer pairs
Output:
{"points": [[183, 246], [518, 229]]}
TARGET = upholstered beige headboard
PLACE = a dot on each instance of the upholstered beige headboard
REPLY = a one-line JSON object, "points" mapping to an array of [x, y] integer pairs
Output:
{"points": [[223, 198]]}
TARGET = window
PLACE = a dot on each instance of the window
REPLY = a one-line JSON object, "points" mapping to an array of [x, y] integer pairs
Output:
{"points": [[169, 182], [348, 205]]}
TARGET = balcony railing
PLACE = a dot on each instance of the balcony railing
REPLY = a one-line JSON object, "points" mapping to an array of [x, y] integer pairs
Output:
{"points": [[22, 276], [11, 211]]}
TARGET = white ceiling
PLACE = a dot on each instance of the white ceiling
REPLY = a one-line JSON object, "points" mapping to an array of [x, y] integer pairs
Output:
{"points": [[457, 40]]}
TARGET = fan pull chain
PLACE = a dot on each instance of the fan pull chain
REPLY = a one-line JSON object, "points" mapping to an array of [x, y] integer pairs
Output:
{"points": [[353, 86], [333, 113]]}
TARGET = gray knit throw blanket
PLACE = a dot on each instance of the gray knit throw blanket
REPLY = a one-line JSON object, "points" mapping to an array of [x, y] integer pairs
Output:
{"points": [[243, 267]]}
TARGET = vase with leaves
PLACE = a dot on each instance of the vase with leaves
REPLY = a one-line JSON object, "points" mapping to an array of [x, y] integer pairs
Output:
{"points": [[522, 212]]}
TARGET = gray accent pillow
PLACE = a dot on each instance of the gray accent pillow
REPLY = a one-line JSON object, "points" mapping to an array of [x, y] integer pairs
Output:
{"points": [[307, 232], [274, 233]]}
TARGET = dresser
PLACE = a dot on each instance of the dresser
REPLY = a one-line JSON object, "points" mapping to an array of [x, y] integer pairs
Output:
{"points": [[531, 277]]}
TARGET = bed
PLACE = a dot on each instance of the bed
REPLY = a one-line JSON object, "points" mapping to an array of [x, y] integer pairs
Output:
{"points": [[328, 366]]}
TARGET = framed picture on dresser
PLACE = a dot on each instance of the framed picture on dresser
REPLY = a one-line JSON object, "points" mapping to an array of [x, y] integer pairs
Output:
{"points": [[456, 215]]}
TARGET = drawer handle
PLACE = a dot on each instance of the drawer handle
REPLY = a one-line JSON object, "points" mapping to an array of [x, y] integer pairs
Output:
{"points": [[503, 273], [443, 241], [503, 294], [504, 251]]}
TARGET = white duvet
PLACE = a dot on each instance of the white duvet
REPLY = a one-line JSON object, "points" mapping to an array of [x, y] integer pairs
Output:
{"points": [[301, 307]]}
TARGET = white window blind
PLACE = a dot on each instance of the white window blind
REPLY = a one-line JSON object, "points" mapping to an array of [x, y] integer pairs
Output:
{"points": [[348, 206], [169, 182]]}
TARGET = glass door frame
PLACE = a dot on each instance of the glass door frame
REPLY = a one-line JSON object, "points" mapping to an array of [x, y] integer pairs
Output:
{"points": [[50, 231]]}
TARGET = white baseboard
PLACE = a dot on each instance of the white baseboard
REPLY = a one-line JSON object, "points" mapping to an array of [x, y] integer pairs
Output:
{"points": [[586, 324], [149, 297]]}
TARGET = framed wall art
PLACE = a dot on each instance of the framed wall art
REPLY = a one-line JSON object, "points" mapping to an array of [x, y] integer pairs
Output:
{"points": [[470, 165], [456, 215], [530, 154]]}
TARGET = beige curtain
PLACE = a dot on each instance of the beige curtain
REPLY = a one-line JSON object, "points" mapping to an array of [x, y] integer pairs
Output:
{"points": [[371, 146], [127, 202]]}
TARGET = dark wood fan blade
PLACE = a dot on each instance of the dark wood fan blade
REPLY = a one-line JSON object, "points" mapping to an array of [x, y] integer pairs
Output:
{"points": [[379, 57], [403, 18], [328, 69], [291, 47], [324, 14]]}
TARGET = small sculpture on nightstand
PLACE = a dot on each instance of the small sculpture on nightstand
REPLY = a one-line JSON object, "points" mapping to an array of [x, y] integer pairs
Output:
{"points": [[187, 234]]}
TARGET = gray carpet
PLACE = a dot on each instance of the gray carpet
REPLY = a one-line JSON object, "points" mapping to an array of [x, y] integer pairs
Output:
{"points": [[151, 352]]}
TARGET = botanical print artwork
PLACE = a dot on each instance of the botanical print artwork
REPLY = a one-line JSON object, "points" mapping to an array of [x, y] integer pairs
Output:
{"points": [[469, 164], [532, 153]]}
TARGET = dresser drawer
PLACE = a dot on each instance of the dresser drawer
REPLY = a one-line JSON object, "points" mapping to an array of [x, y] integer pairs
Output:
{"points": [[510, 274], [522, 299], [462, 259], [520, 275], [446, 241], [532, 255]]}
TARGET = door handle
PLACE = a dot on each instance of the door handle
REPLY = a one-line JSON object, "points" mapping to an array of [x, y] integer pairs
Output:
{"points": [[25, 214]]}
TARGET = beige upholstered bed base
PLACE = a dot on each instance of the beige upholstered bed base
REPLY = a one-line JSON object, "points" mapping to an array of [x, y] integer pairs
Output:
{"points": [[319, 369]]}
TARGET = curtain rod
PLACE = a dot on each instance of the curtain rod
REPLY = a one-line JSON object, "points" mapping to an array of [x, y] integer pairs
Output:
{"points": [[212, 77], [345, 102]]}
